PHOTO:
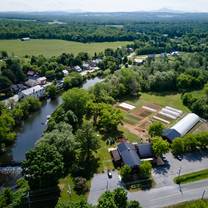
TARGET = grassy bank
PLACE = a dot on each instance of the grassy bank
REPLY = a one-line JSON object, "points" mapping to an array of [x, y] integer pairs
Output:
{"points": [[54, 47], [191, 177], [191, 204]]}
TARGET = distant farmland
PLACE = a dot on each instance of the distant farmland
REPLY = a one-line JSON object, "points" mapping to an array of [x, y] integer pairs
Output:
{"points": [[54, 47]]}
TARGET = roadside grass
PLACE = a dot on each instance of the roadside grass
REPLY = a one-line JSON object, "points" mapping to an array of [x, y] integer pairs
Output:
{"points": [[191, 177], [191, 204], [66, 185], [50, 48], [105, 160]]}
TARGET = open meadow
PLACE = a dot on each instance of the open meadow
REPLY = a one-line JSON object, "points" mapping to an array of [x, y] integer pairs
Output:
{"points": [[50, 48]]}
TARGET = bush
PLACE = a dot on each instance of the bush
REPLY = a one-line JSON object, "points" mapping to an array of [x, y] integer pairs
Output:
{"points": [[125, 173], [145, 169], [80, 185]]}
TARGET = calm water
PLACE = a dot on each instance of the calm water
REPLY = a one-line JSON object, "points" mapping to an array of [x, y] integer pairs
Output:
{"points": [[34, 127]]}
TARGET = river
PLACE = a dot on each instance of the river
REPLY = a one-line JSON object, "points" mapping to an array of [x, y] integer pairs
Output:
{"points": [[33, 128]]}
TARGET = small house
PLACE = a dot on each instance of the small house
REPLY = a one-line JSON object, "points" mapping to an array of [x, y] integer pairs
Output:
{"points": [[25, 39], [31, 83], [37, 91], [42, 80]]}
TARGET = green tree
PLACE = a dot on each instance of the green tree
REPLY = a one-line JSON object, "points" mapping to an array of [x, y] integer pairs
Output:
{"points": [[145, 169], [125, 173], [109, 118], [155, 129], [178, 146], [120, 197], [106, 201], [62, 138], [76, 100], [43, 166], [88, 140], [159, 146], [133, 204], [51, 91], [74, 79], [7, 123]]}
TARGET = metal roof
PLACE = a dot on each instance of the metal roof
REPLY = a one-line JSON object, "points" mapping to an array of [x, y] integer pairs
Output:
{"points": [[145, 150], [129, 154], [32, 90], [186, 124], [170, 134]]}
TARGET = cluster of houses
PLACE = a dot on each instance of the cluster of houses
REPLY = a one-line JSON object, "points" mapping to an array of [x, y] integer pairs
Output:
{"points": [[35, 86], [91, 65]]}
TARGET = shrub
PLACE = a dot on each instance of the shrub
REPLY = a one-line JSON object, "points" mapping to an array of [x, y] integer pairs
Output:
{"points": [[80, 185]]}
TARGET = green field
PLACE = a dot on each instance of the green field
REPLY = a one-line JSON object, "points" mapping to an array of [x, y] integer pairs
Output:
{"points": [[50, 48]]}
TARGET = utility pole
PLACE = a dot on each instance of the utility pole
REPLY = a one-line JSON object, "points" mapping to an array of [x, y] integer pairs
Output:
{"points": [[179, 172], [107, 185], [203, 194]]}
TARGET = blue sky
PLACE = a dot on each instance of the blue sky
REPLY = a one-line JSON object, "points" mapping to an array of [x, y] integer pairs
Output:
{"points": [[103, 5]]}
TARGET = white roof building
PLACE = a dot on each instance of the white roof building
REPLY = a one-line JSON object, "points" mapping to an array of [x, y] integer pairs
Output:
{"points": [[186, 124], [65, 72], [36, 91]]}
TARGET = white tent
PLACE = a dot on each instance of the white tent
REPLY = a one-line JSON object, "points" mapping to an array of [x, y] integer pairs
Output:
{"points": [[186, 124]]}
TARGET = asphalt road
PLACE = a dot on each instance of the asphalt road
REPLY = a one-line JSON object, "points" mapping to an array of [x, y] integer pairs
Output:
{"points": [[169, 195]]}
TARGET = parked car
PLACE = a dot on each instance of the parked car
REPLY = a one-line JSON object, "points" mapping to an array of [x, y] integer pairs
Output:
{"points": [[109, 174]]}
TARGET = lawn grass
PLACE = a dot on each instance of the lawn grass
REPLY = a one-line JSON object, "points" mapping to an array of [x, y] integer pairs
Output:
{"points": [[128, 135], [67, 184], [191, 204], [191, 177], [105, 160], [50, 48], [162, 99]]}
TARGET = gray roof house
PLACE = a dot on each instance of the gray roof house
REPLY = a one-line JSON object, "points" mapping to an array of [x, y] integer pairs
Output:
{"points": [[129, 154]]}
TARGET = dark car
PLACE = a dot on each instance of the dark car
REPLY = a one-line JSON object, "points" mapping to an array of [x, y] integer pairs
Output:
{"points": [[109, 174]]}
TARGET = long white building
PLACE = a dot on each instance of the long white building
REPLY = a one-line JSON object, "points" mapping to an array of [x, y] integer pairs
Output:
{"points": [[37, 91], [182, 127]]}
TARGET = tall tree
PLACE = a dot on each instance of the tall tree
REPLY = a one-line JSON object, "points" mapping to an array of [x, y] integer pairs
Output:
{"points": [[43, 166], [76, 100], [88, 140], [159, 146]]}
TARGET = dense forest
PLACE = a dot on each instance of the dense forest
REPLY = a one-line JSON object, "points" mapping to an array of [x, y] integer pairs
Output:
{"points": [[105, 31]]}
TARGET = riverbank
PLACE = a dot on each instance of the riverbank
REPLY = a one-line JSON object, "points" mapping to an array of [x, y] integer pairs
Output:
{"points": [[33, 128]]}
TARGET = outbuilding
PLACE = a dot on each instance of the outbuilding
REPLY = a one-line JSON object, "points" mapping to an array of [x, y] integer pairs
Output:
{"points": [[181, 128]]}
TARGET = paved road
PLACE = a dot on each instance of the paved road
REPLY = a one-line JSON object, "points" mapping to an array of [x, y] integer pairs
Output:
{"points": [[168, 195]]}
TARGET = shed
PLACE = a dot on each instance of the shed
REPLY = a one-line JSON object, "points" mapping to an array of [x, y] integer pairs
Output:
{"points": [[116, 157], [129, 154]]}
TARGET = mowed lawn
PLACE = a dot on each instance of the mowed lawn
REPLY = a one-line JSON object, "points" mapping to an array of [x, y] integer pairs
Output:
{"points": [[170, 99], [50, 48]]}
